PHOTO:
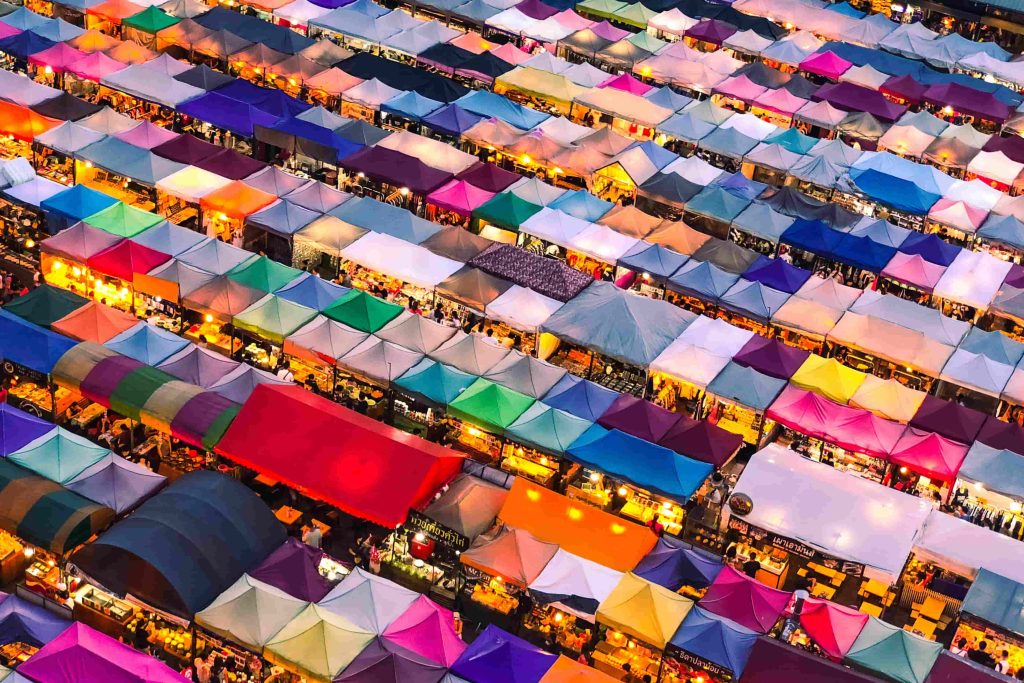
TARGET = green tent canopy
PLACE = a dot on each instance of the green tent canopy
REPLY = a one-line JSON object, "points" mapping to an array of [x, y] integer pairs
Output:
{"points": [[505, 210], [438, 383], [634, 14], [132, 392], [548, 429], [359, 310], [46, 305], [273, 318], [264, 274], [46, 514], [59, 456], [489, 405], [123, 220], [893, 652], [150, 20], [603, 9]]}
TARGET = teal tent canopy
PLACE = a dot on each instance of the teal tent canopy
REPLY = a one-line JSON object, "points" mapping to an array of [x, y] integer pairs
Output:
{"points": [[893, 652], [746, 386], [436, 382], [60, 456], [548, 429], [997, 600]]}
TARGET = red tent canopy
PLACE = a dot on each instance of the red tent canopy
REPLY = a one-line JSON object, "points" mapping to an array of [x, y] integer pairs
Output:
{"points": [[833, 627], [362, 466], [126, 259]]}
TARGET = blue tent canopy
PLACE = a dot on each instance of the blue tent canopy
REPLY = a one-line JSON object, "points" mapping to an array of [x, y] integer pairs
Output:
{"points": [[147, 344], [411, 105], [718, 203], [994, 345], [886, 62], [580, 397], [30, 346], [583, 205], [23, 622], [704, 279], [255, 30], [227, 113], [1006, 229], [930, 247], [793, 140], [370, 214], [863, 252], [899, 193], [847, 9], [640, 462], [24, 19], [881, 231], [655, 259], [998, 469], [548, 429], [18, 428], [761, 220], [436, 382], [327, 145], [813, 236], [168, 238], [715, 639], [777, 274], [643, 327], [185, 545], [283, 218], [997, 600], [674, 565], [489, 104], [72, 205], [754, 299], [687, 126], [58, 30], [740, 185], [746, 386], [499, 657], [453, 120], [269, 100], [23, 45], [655, 153], [728, 142], [668, 98], [312, 292]]}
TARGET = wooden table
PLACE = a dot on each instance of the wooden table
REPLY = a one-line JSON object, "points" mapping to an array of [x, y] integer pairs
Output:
{"points": [[932, 609], [924, 627], [287, 515], [872, 609], [267, 481], [823, 590], [876, 588]]}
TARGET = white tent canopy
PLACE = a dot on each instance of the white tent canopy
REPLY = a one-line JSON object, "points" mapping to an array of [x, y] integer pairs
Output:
{"points": [[581, 581], [973, 278], [522, 308], [602, 243], [438, 154], [250, 612], [552, 225], [191, 184], [399, 259], [839, 513], [965, 548], [380, 360], [152, 85]]}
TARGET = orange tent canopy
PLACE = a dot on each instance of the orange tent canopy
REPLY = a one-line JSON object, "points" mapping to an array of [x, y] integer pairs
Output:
{"points": [[578, 528], [237, 200], [94, 322], [567, 670], [94, 41], [23, 123], [115, 10]]}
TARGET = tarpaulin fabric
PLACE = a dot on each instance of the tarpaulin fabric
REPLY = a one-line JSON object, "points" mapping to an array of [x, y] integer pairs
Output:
{"points": [[81, 653], [893, 652], [648, 612], [369, 601], [588, 532], [751, 604], [428, 630], [498, 657], [489, 405], [549, 429], [117, 483], [317, 643], [311, 291], [23, 622], [28, 345], [549, 277], [513, 554], [362, 311], [996, 600], [123, 220], [76, 203], [250, 612], [94, 322], [60, 456], [18, 428], [638, 418], [580, 397], [168, 238], [772, 661], [377, 494], [294, 569], [832, 627], [948, 419], [147, 343], [45, 305], [673, 565], [384, 659], [746, 386], [715, 639], [126, 260]]}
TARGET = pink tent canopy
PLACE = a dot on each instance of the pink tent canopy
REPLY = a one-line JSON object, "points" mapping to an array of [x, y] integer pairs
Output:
{"points": [[832, 627], [608, 31], [83, 654], [740, 88], [459, 196], [511, 54], [146, 135], [746, 601], [427, 629], [851, 428], [957, 214], [6, 30], [929, 454], [827, 64], [58, 57], [781, 101], [914, 270], [570, 19], [95, 66], [627, 83]]}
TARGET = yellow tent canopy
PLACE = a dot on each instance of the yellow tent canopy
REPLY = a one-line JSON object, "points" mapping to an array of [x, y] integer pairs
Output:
{"points": [[888, 398], [828, 377], [644, 610]]}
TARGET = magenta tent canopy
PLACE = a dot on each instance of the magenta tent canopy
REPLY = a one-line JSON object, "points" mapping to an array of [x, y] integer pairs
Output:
{"points": [[84, 654], [711, 31], [459, 196], [850, 97], [827, 64], [833, 627], [427, 629], [747, 602], [627, 83]]}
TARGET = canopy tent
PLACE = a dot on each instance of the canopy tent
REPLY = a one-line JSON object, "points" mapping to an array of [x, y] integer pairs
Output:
{"points": [[588, 532], [498, 657], [30, 346], [638, 418], [888, 399], [74, 204], [126, 260], [362, 311], [401, 260], [948, 419], [273, 318], [18, 429], [416, 332], [123, 220], [994, 599], [379, 495], [893, 652], [525, 374], [172, 281], [437, 383], [746, 386], [489, 405], [469, 353], [60, 456], [295, 569], [743, 600], [844, 508], [250, 612], [643, 610], [513, 554], [23, 622], [574, 584], [369, 602], [198, 366], [770, 357], [828, 377], [56, 519], [427, 629], [81, 653], [546, 276], [715, 639], [45, 305], [196, 518], [147, 343], [580, 397], [832, 627], [167, 238], [964, 548], [94, 322], [673, 565], [548, 429], [318, 643], [772, 661], [384, 659]]}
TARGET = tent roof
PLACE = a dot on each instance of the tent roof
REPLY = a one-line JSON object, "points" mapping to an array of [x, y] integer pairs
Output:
{"points": [[250, 612], [513, 554], [368, 601], [498, 657], [380, 495], [964, 548], [469, 506], [574, 584], [772, 661], [995, 599], [18, 429], [715, 639], [427, 629], [45, 305], [94, 322], [123, 220], [147, 343], [319, 643], [168, 238], [673, 565], [750, 604], [362, 311], [644, 610], [490, 405], [893, 652], [580, 397], [126, 259]]}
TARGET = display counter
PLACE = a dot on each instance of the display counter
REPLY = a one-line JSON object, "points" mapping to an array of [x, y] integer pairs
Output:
{"points": [[530, 464], [12, 558], [613, 653], [102, 611], [212, 335], [490, 600]]}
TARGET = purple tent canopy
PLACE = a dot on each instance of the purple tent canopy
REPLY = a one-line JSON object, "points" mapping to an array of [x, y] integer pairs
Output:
{"points": [[186, 149], [1013, 146], [771, 357], [227, 163], [17, 428], [605, 29], [395, 168], [1002, 435], [673, 565], [772, 661], [640, 418], [964, 100], [850, 97], [199, 415], [83, 654], [117, 483], [546, 276], [293, 569], [905, 88], [499, 657], [101, 381], [535, 9], [711, 31], [384, 662], [23, 622], [948, 419], [949, 668], [777, 274], [701, 440], [489, 177]]}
